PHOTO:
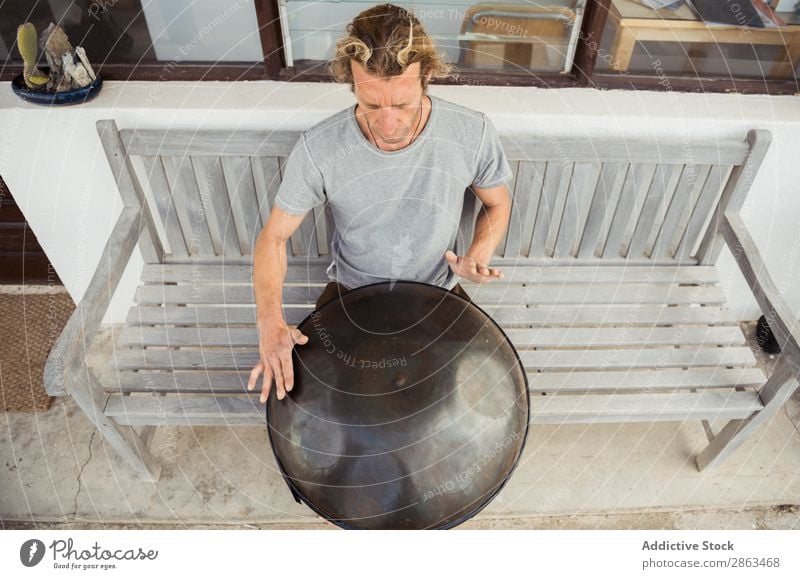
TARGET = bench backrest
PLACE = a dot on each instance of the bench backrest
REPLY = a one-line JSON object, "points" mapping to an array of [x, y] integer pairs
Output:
{"points": [[208, 193]]}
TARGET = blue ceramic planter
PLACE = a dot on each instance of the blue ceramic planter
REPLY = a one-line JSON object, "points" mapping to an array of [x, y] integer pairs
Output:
{"points": [[42, 97]]}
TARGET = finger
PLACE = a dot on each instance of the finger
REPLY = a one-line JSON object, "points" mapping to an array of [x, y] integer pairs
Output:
{"points": [[276, 368], [453, 264], [288, 373], [450, 256], [299, 337], [266, 385], [254, 374]]}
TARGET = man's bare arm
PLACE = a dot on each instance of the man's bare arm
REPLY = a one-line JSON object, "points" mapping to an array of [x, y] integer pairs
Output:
{"points": [[491, 224], [276, 339], [269, 263], [490, 227]]}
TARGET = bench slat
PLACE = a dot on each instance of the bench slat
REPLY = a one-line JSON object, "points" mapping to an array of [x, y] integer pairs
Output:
{"points": [[166, 210], [702, 210], [647, 379], [235, 381], [527, 190], [271, 143], [521, 147], [241, 191], [497, 261], [222, 359], [189, 204], [609, 185], [551, 315], [576, 208], [139, 336], [655, 206], [594, 408], [497, 292], [686, 194], [245, 410], [637, 358], [219, 214], [636, 185], [188, 142], [267, 178], [315, 273]]}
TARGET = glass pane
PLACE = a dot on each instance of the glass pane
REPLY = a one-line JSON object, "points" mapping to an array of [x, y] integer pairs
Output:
{"points": [[517, 35], [705, 38], [132, 31]]}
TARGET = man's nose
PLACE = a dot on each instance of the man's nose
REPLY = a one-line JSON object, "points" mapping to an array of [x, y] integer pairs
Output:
{"points": [[388, 120]]}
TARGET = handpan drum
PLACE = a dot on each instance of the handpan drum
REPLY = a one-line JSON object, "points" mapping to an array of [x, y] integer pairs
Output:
{"points": [[409, 409]]}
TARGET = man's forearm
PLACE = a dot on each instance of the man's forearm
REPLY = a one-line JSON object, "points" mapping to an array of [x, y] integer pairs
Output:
{"points": [[269, 271], [490, 227]]}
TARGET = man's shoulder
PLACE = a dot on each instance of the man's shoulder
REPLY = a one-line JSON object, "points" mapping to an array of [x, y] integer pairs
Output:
{"points": [[331, 129], [465, 124], [465, 114]]}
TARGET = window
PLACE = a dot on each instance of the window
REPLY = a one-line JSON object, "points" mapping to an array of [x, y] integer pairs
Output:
{"points": [[635, 44], [703, 38], [515, 36], [132, 31], [145, 39]]}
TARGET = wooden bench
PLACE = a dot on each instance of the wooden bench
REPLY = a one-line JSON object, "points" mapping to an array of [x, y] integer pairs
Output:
{"points": [[610, 291]]}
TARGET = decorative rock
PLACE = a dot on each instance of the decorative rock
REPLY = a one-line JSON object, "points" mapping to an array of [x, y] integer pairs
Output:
{"points": [[81, 52], [75, 71], [55, 44]]}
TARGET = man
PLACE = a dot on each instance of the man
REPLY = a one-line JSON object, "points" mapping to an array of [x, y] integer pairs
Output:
{"points": [[393, 169]]}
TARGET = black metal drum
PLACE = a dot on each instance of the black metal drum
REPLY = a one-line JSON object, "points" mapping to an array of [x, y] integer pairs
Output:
{"points": [[409, 409]]}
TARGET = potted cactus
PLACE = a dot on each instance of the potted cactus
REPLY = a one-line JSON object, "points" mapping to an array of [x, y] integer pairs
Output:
{"points": [[68, 78]]}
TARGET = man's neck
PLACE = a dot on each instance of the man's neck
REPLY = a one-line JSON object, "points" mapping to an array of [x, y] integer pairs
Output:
{"points": [[376, 141]]}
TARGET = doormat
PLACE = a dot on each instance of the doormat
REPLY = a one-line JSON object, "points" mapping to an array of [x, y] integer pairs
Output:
{"points": [[30, 324]]}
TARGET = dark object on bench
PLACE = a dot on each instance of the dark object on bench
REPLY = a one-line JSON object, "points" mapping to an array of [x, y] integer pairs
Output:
{"points": [[765, 338], [410, 409]]}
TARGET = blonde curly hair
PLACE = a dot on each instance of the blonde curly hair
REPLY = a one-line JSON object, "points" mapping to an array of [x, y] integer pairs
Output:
{"points": [[386, 40]]}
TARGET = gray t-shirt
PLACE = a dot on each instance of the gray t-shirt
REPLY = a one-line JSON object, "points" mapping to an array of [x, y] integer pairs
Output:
{"points": [[395, 213]]}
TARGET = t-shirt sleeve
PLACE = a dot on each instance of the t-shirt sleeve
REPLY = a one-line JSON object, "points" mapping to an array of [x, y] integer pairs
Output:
{"points": [[302, 187], [492, 168]]}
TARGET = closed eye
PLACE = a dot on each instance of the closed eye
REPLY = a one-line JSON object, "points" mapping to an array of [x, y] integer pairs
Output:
{"points": [[402, 106]]}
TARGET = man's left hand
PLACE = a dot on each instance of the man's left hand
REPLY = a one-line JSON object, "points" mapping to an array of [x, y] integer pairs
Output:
{"points": [[469, 268]]}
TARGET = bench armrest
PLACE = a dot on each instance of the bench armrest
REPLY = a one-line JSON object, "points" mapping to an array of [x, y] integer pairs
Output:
{"points": [[68, 355], [779, 317]]}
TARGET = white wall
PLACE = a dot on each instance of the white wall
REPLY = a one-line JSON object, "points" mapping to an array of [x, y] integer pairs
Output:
{"points": [[53, 163]]}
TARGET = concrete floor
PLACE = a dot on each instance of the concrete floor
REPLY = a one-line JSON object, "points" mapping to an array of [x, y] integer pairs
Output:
{"points": [[58, 473]]}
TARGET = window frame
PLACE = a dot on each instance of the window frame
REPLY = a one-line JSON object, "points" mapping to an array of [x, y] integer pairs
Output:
{"points": [[273, 67]]}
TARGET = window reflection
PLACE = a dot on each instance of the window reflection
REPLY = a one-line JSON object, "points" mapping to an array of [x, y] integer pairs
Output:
{"points": [[679, 42], [515, 35], [132, 31]]}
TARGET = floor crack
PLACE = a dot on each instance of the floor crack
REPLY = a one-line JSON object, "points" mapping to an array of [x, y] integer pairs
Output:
{"points": [[80, 476]]}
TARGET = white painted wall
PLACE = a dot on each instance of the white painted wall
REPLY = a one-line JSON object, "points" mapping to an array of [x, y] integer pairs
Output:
{"points": [[53, 163]]}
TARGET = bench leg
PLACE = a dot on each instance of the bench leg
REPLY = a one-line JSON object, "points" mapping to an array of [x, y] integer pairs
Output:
{"points": [[123, 439], [776, 391]]}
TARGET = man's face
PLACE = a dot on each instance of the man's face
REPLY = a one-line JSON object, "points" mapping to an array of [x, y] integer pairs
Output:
{"points": [[390, 105]]}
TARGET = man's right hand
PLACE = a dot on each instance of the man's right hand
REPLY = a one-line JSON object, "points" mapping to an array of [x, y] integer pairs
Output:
{"points": [[276, 341]]}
